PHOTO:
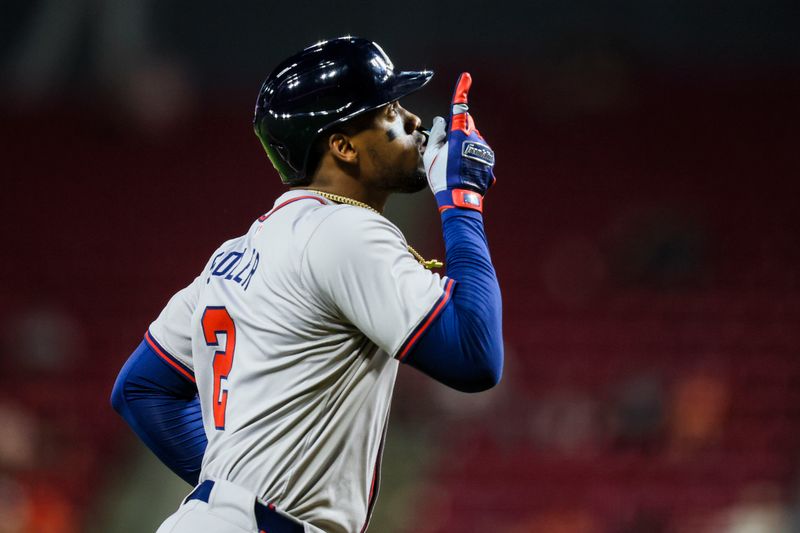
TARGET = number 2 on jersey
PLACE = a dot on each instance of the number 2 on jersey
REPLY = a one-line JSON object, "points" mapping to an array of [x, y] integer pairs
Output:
{"points": [[216, 320]]}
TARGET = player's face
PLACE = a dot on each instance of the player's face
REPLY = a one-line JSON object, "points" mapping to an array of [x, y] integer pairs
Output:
{"points": [[392, 150]]}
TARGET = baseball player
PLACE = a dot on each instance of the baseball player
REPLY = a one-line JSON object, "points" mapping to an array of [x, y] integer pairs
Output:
{"points": [[266, 383]]}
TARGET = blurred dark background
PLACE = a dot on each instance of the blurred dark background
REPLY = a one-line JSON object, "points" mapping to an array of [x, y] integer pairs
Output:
{"points": [[644, 228]]}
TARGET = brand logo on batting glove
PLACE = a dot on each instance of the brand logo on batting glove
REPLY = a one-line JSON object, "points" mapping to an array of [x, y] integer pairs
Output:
{"points": [[478, 152]]}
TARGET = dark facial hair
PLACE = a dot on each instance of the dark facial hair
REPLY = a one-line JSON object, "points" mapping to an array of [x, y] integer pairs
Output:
{"points": [[395, 181]]}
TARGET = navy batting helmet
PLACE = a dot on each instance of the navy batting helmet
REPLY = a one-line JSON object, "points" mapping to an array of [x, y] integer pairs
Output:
{"points": [[324, 85]]}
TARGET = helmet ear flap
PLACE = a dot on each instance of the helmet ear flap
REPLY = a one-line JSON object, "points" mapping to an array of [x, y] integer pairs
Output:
{"points": [[283, 152], [279, 157]]}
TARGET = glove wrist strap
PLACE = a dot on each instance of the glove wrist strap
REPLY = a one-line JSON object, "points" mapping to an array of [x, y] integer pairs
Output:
{"points": [[461, 198]]}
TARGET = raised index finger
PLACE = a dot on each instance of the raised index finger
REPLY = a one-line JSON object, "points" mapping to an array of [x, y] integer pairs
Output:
{"points": [[459, 116], [462, 88]]}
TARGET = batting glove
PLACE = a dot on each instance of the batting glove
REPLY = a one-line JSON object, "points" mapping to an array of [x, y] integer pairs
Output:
{"points": [[457, 159]]}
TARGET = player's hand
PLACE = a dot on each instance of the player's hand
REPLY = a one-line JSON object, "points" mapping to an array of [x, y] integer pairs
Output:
{"points": [[458, 160]]}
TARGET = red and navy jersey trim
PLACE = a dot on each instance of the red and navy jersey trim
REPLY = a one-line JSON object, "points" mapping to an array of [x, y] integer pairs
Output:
{"points": [[264, 217], [168, 358], [426, 322]]}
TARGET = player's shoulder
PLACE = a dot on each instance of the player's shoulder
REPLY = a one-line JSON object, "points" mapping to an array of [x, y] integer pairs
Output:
{"points": [[345, 214], [344, 233], [347, 223], [309, 213]]}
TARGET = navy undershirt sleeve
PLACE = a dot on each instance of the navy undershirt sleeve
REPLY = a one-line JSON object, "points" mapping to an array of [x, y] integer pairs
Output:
{"points": [[463, 346], [163, 409]]}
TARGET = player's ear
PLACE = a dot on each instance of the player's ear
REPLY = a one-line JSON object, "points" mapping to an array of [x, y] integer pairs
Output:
{"points": [[342, 148]]}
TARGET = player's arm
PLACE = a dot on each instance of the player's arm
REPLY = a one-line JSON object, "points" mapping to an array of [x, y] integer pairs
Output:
{"points": [[155, 391], [358, 267], [462, 346], [161, 406]]}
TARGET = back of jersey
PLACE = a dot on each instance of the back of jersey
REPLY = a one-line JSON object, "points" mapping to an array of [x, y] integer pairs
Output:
{"points": [[291, 348]]}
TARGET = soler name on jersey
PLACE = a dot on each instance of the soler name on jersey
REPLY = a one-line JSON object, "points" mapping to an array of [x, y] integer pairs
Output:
{"points": [[234, 265]]}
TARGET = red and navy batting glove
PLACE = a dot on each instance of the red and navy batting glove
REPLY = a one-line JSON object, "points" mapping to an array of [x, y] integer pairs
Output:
{"points": [[458, 160]]}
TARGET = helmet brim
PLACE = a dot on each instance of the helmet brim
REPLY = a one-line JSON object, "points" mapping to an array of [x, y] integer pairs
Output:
{"points": [[403, 84], [407, 82]]}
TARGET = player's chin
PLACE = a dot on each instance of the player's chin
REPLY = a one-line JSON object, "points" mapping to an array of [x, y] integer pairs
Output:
{"points": [[415, 182]]}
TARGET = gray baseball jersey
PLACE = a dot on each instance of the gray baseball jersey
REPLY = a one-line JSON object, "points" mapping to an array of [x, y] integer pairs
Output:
{"points": [[292, 332]]}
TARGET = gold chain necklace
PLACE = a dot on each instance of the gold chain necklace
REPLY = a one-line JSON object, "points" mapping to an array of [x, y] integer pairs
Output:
{"points": [[427, 263]]}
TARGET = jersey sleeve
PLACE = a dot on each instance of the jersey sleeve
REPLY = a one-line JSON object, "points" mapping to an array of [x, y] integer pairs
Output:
{"points": [[358, 264], [170, 334]]}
